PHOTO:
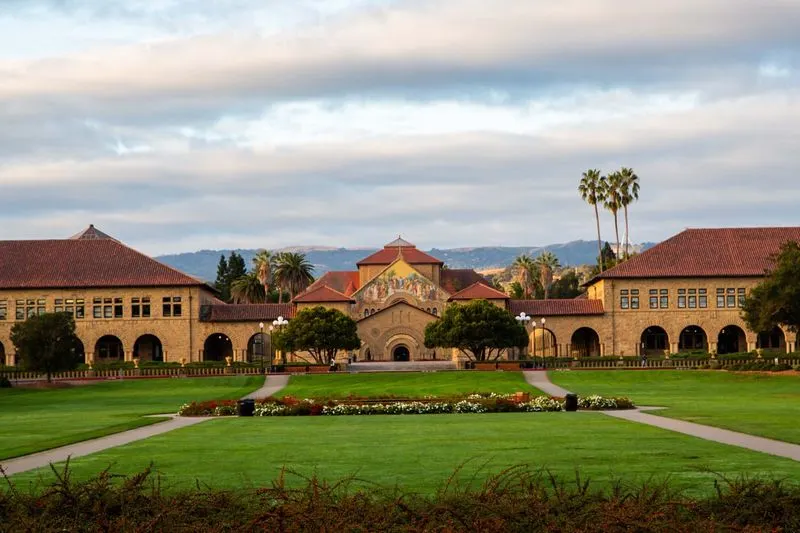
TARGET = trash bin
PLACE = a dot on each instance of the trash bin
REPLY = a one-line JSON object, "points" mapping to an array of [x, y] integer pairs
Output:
{"points": [[571, 402], [246, 407]]}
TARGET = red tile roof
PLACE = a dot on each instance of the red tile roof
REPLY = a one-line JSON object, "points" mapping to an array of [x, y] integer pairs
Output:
{"points": [[479, 290], [339, 281], [390, 254], [81, 263], [725, 252], [321, 294], [455, 280], [245, 312], [547, 308]]}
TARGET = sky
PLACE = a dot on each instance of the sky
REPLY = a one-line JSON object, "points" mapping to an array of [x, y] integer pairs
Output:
{"points": [[179, 125]]}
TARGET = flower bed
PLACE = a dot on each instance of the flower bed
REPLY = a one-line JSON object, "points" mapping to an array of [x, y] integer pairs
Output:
{"points": [[474, 403]]}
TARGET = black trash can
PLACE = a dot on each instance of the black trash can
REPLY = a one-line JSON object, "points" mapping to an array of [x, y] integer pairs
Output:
{"points": [[246, 407], [571, 402]]}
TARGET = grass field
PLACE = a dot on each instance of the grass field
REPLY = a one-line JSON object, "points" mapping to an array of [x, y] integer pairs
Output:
{"points": [[759, 404], [416, 384], [420, 452], [33, 420]]}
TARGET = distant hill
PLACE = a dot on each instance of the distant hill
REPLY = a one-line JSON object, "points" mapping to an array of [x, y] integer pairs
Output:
{"points": [[203, 264]]}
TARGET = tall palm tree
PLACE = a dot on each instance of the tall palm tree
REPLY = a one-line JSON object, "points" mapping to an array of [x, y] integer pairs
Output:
{"points": [[592, 189], [263, 263], [293, 272], [629, 193], [525, 271], [547, 262], [248, 290], [613, 200]]}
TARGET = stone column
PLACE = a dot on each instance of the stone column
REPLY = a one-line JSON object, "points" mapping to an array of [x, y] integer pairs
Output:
{"points": [[751, 346], [712, 347], [128, 356], [673, 347], [9, 359]]}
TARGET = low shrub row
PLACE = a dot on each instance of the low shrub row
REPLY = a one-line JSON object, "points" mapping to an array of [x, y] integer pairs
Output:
{"points": [[516, 500], [130, 365], [475, 403]]}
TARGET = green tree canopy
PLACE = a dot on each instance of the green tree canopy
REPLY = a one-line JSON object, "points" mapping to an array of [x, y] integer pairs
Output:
{"points": [[479, 329], [776, 300], [221, 283], [321, 332], [248, 290], [568, 286], [46, 343]]}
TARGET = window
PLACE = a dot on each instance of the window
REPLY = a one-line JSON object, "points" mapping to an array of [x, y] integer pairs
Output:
{"points": [[107, 308], [366, 313], [118, 308], [664, 299], [140, 307], [681, 298], [730, 298], [692, 298], [702, 298], [3, 309], [634, 298], [720, 297], [653, 298], [171, 306], [435, 312], [740, 297], [624, 299], [28, 308]]}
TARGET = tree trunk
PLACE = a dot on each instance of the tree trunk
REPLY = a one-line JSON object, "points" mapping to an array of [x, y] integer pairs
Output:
{"points": [[280, 293], [616, 231], [599, 241], [627, 234]]}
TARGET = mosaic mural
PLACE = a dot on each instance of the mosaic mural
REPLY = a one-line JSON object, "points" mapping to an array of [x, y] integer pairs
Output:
{"points": [[400, 278]]}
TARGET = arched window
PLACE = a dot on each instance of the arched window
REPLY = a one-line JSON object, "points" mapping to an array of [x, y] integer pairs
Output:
{"points": [[435, 312], [366, 313]]}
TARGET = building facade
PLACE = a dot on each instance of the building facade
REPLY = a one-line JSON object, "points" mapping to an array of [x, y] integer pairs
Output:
{"points": [[683, 295]]}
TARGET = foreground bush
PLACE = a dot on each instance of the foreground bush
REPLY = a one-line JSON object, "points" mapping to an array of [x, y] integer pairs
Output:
{"points": [[515, 500]]}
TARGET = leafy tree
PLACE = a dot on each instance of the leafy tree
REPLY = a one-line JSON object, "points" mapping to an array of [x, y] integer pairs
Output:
{"points": [[221, 284], [248, 289], [613, 200], [516, 291], [546, 262], [776, 300], [263, 263], [629, 193], [46, 343], [293, 273], [527, 275], [592, 189], [479, 329], [236, 268], [321, 332], [569, 286]]}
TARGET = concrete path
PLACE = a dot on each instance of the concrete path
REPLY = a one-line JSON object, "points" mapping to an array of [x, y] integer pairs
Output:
{"points": [[271, 385], [56, 455], [539, 379]]}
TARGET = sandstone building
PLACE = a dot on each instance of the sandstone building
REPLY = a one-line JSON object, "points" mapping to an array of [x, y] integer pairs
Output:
{"points": [[682, 295]]}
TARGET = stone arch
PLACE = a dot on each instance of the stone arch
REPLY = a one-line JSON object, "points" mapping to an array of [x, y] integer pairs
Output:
{"points": [[543, 342], [692, 338], [2, 354], [654, 341], [731, 339], [217, 347], [410, 299], [402, 339], [148, 347], [585, 342], [775, 339], [258, 347], [109, 348]]}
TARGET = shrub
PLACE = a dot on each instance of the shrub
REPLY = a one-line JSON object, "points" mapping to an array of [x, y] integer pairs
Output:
{"points": [[5, 383]]}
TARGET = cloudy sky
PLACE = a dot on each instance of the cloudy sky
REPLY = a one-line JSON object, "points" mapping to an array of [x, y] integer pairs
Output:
{"points": [[179, 125]]}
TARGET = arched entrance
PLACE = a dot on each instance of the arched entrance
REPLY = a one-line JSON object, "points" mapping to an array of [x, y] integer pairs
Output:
{"points": [[217, 347], [2, 354], [772, 340], [732, 339], [148, 348], [585, 343], [258, 348], [543, 343], [654, 341], [109, 348], [401, 353], [693, 339]]}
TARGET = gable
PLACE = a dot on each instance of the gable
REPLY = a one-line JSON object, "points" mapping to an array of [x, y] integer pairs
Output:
{"points": [[405, 307], [399, 279]]}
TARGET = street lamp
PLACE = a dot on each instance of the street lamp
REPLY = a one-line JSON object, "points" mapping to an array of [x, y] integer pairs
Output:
{"points": [[544, 364], [277, 324], [523, 319]]}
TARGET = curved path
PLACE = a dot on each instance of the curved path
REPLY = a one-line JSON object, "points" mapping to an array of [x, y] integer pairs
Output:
{"points": [[541, 381], [272, 384]]}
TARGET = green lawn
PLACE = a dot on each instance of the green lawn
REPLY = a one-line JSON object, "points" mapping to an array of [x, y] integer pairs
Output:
{"points": [[416, 384], [759, 404], [33, 420], [420, 452]]}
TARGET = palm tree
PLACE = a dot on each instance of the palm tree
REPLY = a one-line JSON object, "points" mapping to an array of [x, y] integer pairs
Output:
{"points": [[592, 189], [248, 290], [293, 272], [613, 200], [547, 262], [525, 271], [263, 263], [629, 193]]}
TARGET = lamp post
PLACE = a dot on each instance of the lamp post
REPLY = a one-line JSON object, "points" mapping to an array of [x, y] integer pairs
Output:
{"points": [[523, 319], [278, 324], [261, 341], [544, 364]]}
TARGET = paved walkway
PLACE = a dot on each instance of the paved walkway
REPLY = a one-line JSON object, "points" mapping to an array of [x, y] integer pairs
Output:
{"points": [[541, 381], [272, 384]]}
